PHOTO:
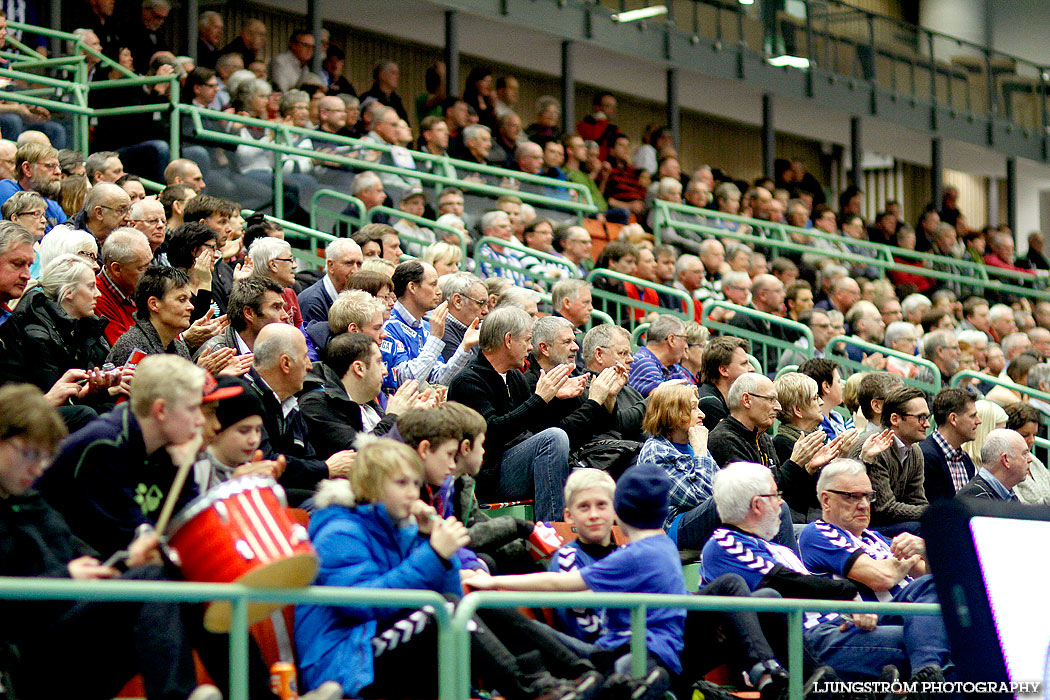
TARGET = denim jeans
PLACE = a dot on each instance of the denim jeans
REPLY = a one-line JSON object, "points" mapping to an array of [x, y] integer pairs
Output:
{"points": [[538, 467], [925, 638]]}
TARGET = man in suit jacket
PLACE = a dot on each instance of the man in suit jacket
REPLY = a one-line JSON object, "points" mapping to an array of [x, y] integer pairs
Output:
{"points": [[947, 467], [1004, 464], [342, 259]]}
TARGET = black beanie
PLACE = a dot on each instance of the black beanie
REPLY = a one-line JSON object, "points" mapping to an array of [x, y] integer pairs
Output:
{"points": [[641, 497], [236, 408]]}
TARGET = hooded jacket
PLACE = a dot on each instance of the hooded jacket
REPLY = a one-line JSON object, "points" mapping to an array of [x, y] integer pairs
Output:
{"points": [[360, 546], [332, 418]]}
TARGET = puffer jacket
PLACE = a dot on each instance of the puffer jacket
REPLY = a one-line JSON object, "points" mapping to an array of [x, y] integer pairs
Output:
{"points": [[59, 342], [360, 546]]}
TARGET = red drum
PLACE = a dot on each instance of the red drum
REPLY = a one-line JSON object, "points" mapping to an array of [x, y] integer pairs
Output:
{"points": [[240, 532]]}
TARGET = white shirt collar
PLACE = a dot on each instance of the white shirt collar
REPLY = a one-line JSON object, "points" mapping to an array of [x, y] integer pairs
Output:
{"points": [[329, 287]]}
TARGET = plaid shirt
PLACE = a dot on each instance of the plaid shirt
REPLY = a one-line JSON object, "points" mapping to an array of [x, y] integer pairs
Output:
{"points": [[691, 476], [956, 468]]}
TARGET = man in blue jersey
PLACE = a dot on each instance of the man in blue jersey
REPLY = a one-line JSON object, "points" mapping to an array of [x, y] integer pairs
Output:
{"points": [[412, 349], [841, 546], [856, 646]]}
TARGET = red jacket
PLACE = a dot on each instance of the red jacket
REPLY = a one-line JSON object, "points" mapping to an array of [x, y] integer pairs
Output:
{"points": [[118, 309]]}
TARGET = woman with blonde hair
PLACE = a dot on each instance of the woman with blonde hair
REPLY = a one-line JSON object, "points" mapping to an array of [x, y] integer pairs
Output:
{"points": [[992, 416], [444, 257]]}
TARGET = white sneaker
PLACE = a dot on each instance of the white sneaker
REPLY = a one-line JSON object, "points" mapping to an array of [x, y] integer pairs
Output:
{"points": [[205, 692], [329, 690]]}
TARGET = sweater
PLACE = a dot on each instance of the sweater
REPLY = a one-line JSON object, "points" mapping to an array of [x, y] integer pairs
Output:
{"points": [[902, 497]]}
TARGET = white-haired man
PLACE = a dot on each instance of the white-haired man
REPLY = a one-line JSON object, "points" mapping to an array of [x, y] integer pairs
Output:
{"points": [[272, 258], [467, 300], [342, 259], [1005, 462], [748, 502], [496, 260]]}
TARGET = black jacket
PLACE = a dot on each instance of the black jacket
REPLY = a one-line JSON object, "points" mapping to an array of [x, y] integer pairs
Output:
{"points": [[58, 342], [937, 480], [512, 411], [105, 484], [731, 441], [713, 404], [580, 417], [977, 487], [332, 418], [34, 542], [289, 437]]}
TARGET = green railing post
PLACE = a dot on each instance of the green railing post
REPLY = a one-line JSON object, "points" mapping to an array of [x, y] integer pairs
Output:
{"points": [[795, 668], [239, 650], [174, 125], [929, 387], [639, 653]]}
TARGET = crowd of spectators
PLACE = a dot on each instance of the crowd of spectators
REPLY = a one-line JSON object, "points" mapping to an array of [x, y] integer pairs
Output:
{"points": [[798, 419]]}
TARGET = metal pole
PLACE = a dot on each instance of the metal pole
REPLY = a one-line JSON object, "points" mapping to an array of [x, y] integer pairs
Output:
{"points": [[568, 87], [313, 20], [936, 171], [239, 650], [193, 11], [856, 151], [451, 52], [1011, 195], [674, 121], [769, 140], [55, 12]]}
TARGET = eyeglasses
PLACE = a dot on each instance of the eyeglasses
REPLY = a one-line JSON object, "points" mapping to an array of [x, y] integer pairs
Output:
{"points": [[760, 396], [480, 302], [920, 417], [696, 345], [34, 214], [89, 255], [52, 165], [122, 211], [287, 260], [855, 496], [778, 494]]}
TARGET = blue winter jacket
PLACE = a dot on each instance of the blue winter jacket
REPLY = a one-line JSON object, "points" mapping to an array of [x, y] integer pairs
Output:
{"points": [[361, 546]]}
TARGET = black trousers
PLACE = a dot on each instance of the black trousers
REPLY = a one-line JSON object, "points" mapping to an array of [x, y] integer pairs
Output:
{"points": [[96, 647], [506, 647]]}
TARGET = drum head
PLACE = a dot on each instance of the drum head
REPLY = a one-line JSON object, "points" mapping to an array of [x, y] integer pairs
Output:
{"points": [[293, 572]]}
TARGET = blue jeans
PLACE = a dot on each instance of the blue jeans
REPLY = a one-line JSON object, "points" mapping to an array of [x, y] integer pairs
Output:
{"points": [[147, 159], [925, 638], [537, 467], [911, 641], [11, 125]]}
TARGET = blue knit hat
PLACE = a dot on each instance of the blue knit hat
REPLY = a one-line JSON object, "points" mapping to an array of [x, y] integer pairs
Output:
{"points": [[641, 496]]}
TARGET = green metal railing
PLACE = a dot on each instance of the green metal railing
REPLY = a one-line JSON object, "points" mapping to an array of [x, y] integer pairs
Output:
{"points": [[282, 145], [959, 376], [240, 596], [930, 387], [639, 604], [780, 240], [628, 311], [440, 229], [513, 266], [768, 361]]}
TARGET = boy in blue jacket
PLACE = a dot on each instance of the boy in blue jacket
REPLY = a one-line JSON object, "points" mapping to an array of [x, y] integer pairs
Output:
{"points": [[375, 532]]}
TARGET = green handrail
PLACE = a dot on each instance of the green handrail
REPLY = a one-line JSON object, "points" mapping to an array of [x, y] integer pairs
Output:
{"points": [[421, 221], [196, 114], [758, 338], [12, 588], [316, 210], [515, 266], [449, 165], [785, 370], [712, 232], [640, 603], [783, 230], [931, 387], [688, 314], [959, 376], [637, 333]]}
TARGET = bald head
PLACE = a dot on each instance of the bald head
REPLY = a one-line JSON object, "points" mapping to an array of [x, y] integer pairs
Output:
{"points": [[767, 293], [7, 159], [183, 171], [108, 207], [33, 136]]}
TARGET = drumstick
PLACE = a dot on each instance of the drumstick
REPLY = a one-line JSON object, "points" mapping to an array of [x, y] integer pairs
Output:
{"points": [[186, 456]]}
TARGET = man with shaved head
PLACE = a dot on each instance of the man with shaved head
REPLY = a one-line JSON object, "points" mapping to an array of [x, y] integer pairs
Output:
{"points": [[767, 296], [182, 171]]}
